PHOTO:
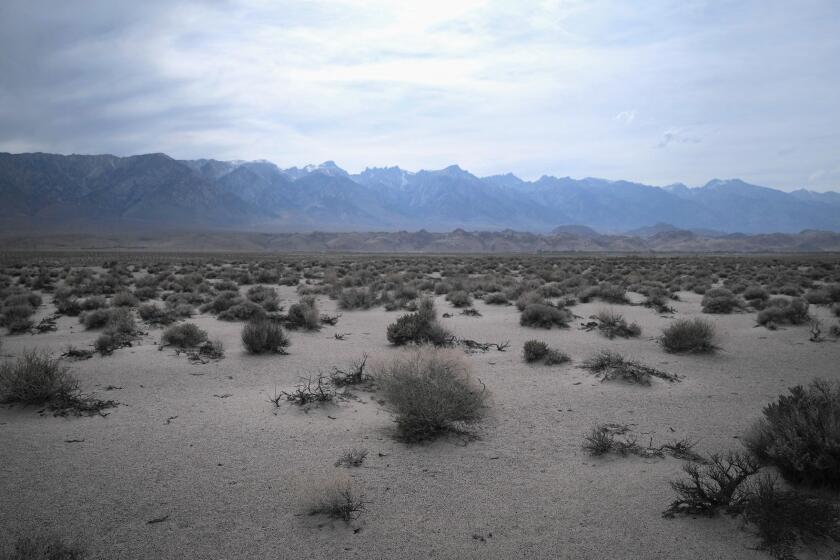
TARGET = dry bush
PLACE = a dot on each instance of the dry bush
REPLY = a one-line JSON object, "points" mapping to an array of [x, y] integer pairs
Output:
{"points": [[786, 519], [689, 335], [420, 327], [611, 365], [612, 324], [780, 311], [714, 485], [431, 391], [352, 458], [537, 351], [186, 335], [496, 298], [264, 336], [357, 298], [243, 311], [332, 496], [800, 434], [459, 298], [720, 300], [304, 315], [35, 378], [544, 316]]}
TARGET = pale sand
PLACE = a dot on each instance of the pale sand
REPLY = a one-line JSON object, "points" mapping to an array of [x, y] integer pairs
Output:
{"points": [[224, 469]]}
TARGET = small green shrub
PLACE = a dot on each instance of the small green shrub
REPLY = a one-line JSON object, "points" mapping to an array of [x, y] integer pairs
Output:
{"points": [[612, 324], [689, 335], [245, 311]]}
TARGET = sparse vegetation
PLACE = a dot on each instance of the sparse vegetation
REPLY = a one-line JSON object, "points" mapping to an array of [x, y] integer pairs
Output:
{"points": [[713, 485], [781, 311], [334, 497], [352, 458], [720, 300], [611, 324], [538, 351]]}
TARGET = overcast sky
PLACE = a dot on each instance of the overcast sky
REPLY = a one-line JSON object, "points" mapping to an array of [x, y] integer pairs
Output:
{"points": [[655, 91]]}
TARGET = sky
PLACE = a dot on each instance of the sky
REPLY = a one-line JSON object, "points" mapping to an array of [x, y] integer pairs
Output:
{"points": [[655, 91]]}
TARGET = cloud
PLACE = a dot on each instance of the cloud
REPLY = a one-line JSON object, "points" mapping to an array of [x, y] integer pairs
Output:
{"points": [[497, 86], [626, 117], [676, 136]]}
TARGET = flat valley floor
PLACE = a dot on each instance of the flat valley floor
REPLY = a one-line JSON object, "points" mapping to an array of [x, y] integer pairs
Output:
{"points": [[197, 463]]}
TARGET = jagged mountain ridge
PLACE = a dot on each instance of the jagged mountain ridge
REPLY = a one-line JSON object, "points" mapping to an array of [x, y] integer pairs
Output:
{"points": [[79, 192]]}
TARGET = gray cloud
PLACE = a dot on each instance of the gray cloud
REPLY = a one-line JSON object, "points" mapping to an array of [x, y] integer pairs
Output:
{"points": [[548, 87]]}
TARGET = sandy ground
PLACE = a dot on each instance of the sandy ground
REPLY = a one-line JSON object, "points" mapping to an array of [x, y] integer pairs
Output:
{"points": [[225, 470]]}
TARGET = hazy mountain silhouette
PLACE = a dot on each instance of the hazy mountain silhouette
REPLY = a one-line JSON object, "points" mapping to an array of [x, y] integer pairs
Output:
{"points": [[47, 192]]}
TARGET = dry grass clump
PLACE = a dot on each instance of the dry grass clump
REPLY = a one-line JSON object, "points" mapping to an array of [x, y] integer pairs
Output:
{"points": [[264, 336], [334, 497], [43, 547], [432, 392], [617, 438], [36, 378], [689, 336], [800, 434], [120, 330], [352, 458], [354, 374], [420, 327], [186, 335], [611, 365], [780, 311]]}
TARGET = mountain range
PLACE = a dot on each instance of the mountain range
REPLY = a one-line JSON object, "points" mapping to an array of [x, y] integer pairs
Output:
{"points": [[98, 193]]}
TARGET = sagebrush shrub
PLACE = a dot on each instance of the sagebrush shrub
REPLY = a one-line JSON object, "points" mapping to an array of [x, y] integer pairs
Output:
{"points": [[356, 298], [800, 434], [496, 298], [534, 350], [264, 336], [186, 335], [785, 519], [304, 314], [719, 300], [431, 391], [689, 335], [34, 378], [779, 311], [459, 298], [420, 327], [544, 316], [245, 311]]}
